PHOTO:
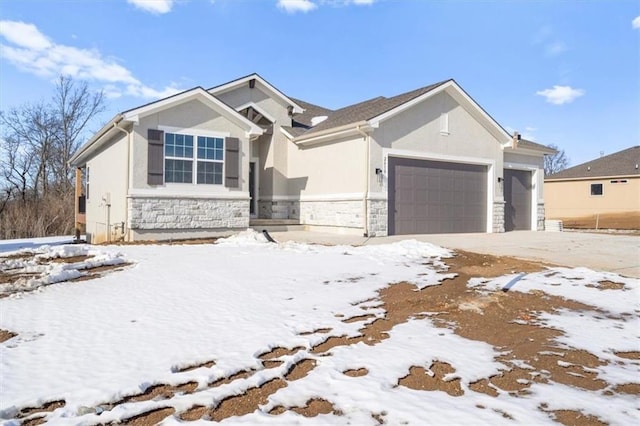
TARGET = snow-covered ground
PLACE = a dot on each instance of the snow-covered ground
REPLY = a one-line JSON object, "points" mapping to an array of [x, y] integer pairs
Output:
{"points": [[98, 341]]}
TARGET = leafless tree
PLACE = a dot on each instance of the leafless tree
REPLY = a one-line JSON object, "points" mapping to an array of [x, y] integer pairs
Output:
{"points": [[555, 163], [36, 143]]}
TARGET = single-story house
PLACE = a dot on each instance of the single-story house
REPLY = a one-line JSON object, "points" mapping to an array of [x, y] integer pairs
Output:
{"points": [[205, 162], [607, 186]]}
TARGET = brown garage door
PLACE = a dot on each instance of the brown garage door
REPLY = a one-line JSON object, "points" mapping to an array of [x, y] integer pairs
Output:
{"points": [[517, 197], [435, 197]]}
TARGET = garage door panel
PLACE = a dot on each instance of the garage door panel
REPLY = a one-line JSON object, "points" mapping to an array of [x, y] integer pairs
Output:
{"points": [[517, 196], [436, 197]]}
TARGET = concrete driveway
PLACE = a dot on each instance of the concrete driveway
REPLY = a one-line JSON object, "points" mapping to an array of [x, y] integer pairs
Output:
{"points": [[604, 252]]}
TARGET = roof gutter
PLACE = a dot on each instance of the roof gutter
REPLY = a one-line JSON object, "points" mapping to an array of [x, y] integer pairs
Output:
{"points": [[323, 135], [93, 143]]}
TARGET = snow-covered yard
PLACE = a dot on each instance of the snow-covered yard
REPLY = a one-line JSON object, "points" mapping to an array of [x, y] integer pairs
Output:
{"points": [[245, 331]]}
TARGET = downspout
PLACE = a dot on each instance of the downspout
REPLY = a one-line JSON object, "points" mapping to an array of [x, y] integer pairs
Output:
{"points": [[126, 198], [367, 183]]}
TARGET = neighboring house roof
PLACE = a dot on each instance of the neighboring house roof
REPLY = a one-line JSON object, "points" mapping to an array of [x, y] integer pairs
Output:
{"points": [[622, 163]]}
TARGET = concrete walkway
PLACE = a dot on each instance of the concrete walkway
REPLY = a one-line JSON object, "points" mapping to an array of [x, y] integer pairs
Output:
{"points": [[604, 252]]}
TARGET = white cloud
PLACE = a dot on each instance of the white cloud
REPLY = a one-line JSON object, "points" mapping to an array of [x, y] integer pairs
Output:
{"points": [[293, 6], [23, 34], [157, 7], [304, 6], [33, 52], [559, 95], [636, 23]]}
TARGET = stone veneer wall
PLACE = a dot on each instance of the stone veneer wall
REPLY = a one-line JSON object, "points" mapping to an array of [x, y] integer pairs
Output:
{"points": [[378, 218], [346, 214], [146, 213], [498, 216], [281, 209], [541, 217]]}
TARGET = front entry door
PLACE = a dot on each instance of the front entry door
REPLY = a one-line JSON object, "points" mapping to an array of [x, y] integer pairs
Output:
{"points": [[252, 188]]}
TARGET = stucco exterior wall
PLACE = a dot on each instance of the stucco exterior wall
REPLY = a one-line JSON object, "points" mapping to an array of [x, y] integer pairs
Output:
{"points": [[272, 149], [331, 168], [416, 132], [192, 117], [573, 199], [106, 203]]}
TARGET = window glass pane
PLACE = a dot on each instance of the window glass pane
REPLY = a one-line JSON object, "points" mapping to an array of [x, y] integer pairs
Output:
{"points": [[596, 189], [178, 171], [177, 145], [217, 173]]}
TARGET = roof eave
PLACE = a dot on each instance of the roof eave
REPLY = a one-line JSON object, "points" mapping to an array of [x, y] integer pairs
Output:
{"points": [[95, 142], [603, 177], [297, 109], [328, 134]]}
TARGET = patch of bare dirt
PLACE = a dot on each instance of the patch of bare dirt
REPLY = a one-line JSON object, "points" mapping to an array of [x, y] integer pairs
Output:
{"points": [[627, 220], [278, 352], [70, 259], [576, 418], [242, 374], [434, 380], [44, 408], [312, 408], [6, 335], [629, 355], [150, 417], [159, 392], [358, 318], [207, 364], [300, 369], [607, 285], [248, 402], [356, 372]]}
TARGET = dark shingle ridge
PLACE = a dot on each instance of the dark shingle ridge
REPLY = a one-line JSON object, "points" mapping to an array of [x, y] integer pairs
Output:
{"points": [[368, 109], [621, 163]]}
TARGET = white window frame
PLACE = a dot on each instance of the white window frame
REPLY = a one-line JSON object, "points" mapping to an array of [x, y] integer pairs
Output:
{"points": [[591, 194], [194, 166]]}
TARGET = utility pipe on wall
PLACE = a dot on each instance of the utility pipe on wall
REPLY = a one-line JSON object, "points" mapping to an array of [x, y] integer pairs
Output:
{"points": [[365, 208], [126, 198]]}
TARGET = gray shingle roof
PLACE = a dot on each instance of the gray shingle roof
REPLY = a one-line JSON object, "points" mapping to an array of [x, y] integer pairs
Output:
{"points": [[524, 143], [310, 111], [622, 163], [369, 109]]}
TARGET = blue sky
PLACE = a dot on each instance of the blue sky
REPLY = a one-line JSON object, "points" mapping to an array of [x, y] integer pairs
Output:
{"points": [[559, 72]]}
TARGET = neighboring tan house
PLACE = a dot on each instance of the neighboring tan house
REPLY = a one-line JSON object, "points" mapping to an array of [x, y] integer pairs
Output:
{"points": [[206, 162], [609, 185]]}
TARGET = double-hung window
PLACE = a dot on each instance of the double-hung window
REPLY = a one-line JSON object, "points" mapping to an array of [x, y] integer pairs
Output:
{"points": [[210, 159], [183, 159]]}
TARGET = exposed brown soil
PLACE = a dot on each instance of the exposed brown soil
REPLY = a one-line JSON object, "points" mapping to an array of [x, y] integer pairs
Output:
{"points": [[505, 320], [300, 369], [318, 331], [13, 275], [419, 379], [207, 364], [278, 352], [180, 241], [6, 335], [626, 220], [576, 418], [359, 318], [248, 402], [150, 417], [607, 285], [629, 355], [159, 392], [356, 373], [45, 408]]}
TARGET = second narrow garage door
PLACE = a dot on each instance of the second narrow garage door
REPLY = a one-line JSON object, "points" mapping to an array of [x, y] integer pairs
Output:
{"points": [[434, 197], [517, 197]]}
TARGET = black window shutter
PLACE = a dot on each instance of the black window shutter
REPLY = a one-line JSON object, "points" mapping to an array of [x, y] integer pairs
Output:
{"points": [[232, 162], [155, 157]]}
